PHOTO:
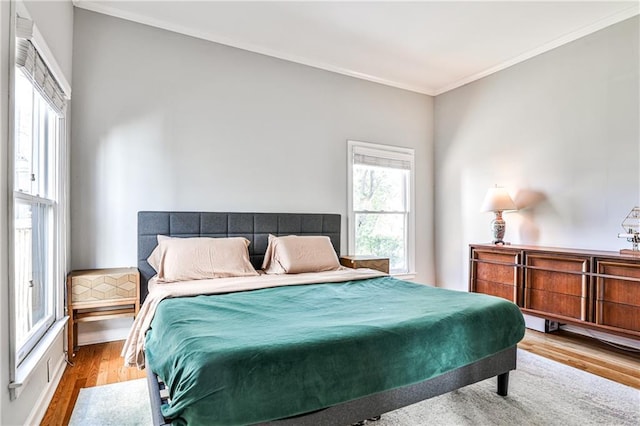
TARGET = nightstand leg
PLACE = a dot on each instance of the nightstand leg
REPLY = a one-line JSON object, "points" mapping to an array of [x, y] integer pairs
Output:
{"points": [[72, 335]]}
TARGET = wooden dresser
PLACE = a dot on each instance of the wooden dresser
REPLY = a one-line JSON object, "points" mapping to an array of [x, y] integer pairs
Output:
{"points": [[593, 289]]}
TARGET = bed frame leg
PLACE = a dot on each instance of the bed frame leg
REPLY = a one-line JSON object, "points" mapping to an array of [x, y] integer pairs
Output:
{"points": [[503, 384]]}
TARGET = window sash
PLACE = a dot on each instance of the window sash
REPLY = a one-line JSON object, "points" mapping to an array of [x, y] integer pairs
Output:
{"points": [[34, 270], [37, 139], [390, 157], [383, 243], [402, 187]]}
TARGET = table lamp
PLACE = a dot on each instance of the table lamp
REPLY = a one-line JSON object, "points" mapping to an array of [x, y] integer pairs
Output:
{"points": [[498, 200]]}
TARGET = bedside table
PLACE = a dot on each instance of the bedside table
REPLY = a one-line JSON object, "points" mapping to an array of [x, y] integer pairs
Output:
{"points": [[372, 262], [100, 294]]}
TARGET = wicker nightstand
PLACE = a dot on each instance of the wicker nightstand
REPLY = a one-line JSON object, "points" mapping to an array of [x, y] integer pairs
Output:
{"points": [[100, 294], [372, 262]]}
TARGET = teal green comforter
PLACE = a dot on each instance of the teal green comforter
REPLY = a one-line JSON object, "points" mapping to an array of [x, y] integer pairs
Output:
{"points": [[260, 355]]}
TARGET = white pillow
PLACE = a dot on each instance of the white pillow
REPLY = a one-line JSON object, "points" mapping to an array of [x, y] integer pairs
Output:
{"points": [[182, 259], [294, 254]]}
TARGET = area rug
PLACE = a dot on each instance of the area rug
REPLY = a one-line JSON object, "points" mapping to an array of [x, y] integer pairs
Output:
{"points": [[541, 392], [118, 404]]}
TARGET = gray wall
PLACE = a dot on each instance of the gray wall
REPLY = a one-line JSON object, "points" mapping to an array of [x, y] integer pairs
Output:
{"points": [[54, 20], [560, 132], [166, 121]]}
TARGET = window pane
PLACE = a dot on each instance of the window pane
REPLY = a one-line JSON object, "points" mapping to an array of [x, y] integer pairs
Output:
{"points": [[36, 141], [24, 134], [383, 235], [379, 189], [50, 167], [23, 269], [33, 269], [46, 142]]}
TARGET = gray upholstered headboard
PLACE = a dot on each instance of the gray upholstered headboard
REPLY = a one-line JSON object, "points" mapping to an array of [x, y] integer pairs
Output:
{"points": [[256, 227]]}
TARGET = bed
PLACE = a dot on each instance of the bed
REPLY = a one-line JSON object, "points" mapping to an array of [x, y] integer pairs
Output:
{"points": [[361, 350]]}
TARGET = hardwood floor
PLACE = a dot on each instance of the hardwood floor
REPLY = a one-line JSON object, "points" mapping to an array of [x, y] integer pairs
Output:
{"points": [[101, 364], [94, 365], [587, 354]]}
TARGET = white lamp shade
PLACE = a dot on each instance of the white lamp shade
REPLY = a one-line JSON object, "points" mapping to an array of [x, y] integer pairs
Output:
{"points": [[497, 199]]}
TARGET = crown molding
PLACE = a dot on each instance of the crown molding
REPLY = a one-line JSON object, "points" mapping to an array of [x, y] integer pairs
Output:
{"points": [[104, 8], [567, 38], [216, 38]]}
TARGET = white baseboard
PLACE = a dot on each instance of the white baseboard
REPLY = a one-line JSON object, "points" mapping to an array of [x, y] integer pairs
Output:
{"points": [[40, 408], [539, 324], [606, 337]]}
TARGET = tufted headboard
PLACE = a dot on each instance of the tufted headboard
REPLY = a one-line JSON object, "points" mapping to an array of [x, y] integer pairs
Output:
{"points": [[255, 227]]}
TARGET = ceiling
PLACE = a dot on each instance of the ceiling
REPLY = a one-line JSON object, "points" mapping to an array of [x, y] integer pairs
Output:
{"points": [[427, 47]]}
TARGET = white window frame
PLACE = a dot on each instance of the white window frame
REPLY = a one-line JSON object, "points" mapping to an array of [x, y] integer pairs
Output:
{"points": [[393, 153], [20, 370], [44, 270]]}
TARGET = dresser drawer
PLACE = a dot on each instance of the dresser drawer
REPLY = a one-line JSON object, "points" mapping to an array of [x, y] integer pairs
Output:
{"points": [[98, 285], [506, 291], [611, 285], [558, 274], [558, 285], [496, 273], [618, 294], [618, 315], [556, 304]]}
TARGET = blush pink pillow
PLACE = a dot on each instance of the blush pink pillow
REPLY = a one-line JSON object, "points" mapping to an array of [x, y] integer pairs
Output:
{"points": [[294, 254], [183, 259]]}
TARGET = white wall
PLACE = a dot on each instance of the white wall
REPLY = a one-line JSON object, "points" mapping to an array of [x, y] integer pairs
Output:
{"points": [[162, 121], [560, 132], [54, 20]]}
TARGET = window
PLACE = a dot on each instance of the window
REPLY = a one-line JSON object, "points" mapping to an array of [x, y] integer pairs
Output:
{"points": [[37, 234], [381, 216], [35, 199]]}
